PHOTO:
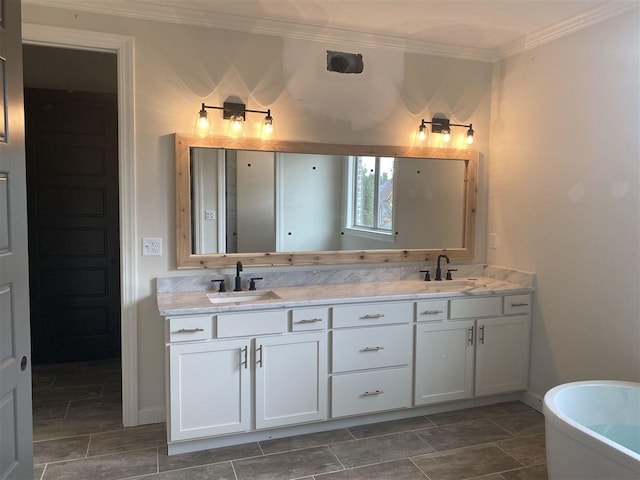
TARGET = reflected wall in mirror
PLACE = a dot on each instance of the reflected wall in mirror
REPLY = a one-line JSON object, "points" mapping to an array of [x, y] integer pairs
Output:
{"points": [[288, 203]]}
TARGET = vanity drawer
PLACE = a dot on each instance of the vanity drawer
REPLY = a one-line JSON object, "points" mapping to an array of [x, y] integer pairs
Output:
{"points": [[516, 304], [365, 392], [252, 323], [363, 315], [374, 347], [431, 310], [187, 329], [303, 319], [475, 307]]}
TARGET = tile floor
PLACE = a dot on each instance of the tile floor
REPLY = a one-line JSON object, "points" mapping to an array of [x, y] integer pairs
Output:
{"points": [[78, 435]]}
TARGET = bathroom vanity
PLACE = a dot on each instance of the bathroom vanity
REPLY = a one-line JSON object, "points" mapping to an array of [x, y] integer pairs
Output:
{"points": [[279, 361]]}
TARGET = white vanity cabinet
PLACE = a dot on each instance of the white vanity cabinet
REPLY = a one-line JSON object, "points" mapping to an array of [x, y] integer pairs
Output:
{"points": [[251, 374], [460, 354], [224, 384]]}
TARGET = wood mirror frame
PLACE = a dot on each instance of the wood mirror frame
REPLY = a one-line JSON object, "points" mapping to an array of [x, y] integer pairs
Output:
{"points": [[187, 259]]}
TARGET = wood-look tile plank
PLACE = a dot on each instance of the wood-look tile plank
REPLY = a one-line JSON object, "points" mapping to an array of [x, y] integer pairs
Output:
{"points": [[128, 439], [356, 453], [105, 467], [465, 463], [394, 470], [522, 424], [527, 450], [205, 457], [464, 434], [50, 429], [288, 465], [61, 449], [308, 440], [393, 426]]}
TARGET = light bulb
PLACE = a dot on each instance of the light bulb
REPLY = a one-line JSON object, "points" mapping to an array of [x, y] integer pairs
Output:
{"points": [[422, 135], [268, 124], [236, 126], [446, 135], [202, 126], [470, 133], [236, 123]]}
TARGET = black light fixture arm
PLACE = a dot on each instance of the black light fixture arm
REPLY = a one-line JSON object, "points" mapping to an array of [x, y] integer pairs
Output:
{"points": [[232, 109], [443, 125], [438, 124]]}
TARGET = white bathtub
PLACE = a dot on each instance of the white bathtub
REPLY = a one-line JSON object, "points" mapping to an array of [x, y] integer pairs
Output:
{"points": [[575, 413]]}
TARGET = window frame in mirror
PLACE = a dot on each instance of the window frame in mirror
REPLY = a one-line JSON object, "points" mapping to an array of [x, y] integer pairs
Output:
{"points": [[187, 260]]}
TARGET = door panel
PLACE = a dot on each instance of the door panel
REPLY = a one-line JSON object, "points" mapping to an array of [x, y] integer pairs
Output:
{"points": [[16, 447], [73, 224], [444, 361]]}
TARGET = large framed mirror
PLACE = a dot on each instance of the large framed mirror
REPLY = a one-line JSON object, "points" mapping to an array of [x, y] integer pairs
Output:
{"points": [[297, 203]]}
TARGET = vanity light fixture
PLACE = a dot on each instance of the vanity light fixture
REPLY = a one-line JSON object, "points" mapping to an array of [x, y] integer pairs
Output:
{"points": [[236, 114], [443, 126]]}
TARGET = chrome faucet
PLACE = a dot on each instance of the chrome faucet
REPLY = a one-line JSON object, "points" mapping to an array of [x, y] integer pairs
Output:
{"points": [[438, 269], [238, 280]]}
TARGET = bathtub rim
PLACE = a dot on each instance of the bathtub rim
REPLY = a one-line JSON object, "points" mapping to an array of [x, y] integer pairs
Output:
{"points": [[582, 434]]}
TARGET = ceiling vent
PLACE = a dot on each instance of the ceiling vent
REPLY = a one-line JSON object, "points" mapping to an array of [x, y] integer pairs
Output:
{"points": [[342, 62]]}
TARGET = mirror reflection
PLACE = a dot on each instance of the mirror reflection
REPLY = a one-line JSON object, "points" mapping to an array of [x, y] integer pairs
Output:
{"points": [[245, 201]]}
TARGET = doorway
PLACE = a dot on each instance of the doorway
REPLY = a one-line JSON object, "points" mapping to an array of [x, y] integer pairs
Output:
{"points": [[72, 181]]}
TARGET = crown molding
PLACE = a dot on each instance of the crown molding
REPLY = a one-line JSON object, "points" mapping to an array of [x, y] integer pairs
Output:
{"points": [[576, 23], [199, 18], [143, 10]]}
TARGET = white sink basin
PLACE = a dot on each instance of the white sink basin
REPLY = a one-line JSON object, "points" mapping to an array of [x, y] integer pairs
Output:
{"points": [[451, 285], [237, 298]]}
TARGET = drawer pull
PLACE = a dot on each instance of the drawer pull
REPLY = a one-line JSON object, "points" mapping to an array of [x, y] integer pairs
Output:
{"points": [[244, 352], [310, 320], [373, 315], [519, 304], [432, 312], [259, 360], [372, 349], [372, 394], [190, 330]]}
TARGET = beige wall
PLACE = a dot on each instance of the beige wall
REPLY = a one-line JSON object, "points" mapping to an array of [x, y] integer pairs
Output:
{"points": [[178, 67], [564, 202]]}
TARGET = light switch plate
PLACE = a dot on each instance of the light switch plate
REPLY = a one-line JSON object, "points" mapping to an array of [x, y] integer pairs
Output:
{"points": [[493, 240], [151, 247]]}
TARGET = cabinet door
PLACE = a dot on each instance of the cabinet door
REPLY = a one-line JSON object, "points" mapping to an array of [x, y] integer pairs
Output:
{"points": [[208, 389], [502, 355], [291, 379], [444, 362]]}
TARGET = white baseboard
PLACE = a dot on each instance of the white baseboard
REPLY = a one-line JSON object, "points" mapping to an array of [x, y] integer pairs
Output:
{"points": [[532, 399], [151, 415]]}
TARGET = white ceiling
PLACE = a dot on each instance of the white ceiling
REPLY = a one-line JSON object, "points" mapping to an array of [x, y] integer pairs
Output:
{"points": [[477, 29]]}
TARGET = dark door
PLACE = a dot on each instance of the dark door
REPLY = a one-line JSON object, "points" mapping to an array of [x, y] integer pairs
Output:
{"points": [[72, 185]]}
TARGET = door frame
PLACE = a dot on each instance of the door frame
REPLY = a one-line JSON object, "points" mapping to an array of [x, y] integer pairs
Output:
{"points": [[122, 46]]}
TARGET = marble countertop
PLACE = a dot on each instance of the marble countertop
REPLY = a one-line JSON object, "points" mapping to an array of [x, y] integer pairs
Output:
{"points": [[197, 302]]}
